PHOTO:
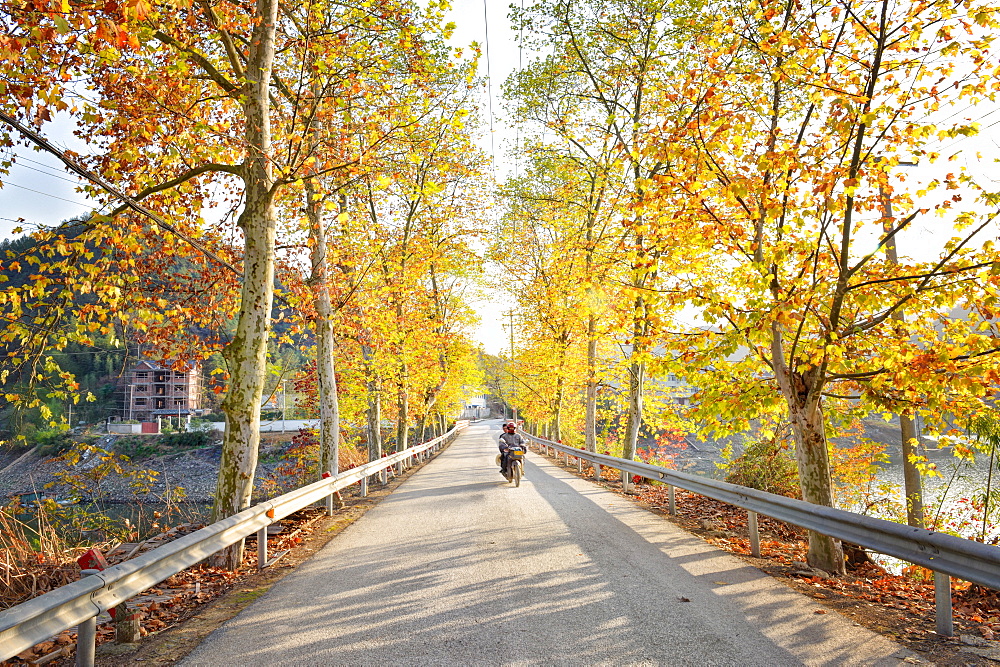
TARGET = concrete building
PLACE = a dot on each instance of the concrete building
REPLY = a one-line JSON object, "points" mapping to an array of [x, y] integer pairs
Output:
{"points": [[153, 391]]}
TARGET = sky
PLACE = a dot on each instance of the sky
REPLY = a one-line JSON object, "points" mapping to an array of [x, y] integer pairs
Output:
{"points": [[486, 22], [39, 190]]}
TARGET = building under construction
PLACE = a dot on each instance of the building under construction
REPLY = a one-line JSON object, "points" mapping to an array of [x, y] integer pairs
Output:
{"points": [[152, 391]]}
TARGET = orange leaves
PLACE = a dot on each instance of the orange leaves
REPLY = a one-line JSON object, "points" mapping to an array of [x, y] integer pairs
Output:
{"points": [[139, 8], [112, 33]]}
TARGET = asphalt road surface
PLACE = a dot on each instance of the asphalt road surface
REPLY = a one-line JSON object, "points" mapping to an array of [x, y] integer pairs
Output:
{"points": [[458, 567]]}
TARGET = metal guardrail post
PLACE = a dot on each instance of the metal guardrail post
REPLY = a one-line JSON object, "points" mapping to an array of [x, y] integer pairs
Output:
{"points": [[671, 500], [754, 534], [329, 505], [942, 605], [86, 635], [579, 465], [597, 471], [262, 547], [364, 487]]}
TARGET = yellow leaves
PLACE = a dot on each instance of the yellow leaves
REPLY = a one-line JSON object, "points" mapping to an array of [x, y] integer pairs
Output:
{"points": [[985, 18]]}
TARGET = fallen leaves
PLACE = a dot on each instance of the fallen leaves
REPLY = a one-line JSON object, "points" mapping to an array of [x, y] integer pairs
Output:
{"points": [[169, 602]]}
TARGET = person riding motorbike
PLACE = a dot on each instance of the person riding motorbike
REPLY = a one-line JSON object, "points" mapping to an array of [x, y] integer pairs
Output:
{"points": [[509, 438]]}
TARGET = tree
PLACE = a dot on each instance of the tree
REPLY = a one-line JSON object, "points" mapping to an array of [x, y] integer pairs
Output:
{"points": [[184, 119], [785, 175], [596, 92], [559, 219]]}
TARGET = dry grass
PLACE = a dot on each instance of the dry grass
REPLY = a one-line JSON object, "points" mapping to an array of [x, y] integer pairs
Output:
{"points": [[33, 562]]}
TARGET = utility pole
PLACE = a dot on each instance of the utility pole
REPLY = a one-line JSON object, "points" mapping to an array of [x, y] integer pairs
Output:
{"points": [[510, 328], [284, 404]]}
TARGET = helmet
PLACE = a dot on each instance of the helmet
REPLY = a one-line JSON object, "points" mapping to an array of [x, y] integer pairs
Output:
{"points": [[510, 425]]}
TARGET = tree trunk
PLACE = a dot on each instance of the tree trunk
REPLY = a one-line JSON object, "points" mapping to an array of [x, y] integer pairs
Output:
{"points": [[637, 370], [326, 378], [557, 417], [636, 380], [813, 461], [805, 411], [374, 411], [419, 432], [246, 353], [912, 485], [402, 412], [590, 418]]}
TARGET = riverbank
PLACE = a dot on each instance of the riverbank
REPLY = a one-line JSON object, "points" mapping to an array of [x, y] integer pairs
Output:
{"points": [[32, 474]]}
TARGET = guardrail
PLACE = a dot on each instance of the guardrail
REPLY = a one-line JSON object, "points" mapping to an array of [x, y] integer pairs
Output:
{"points": [[947, 555], [79, 603]]}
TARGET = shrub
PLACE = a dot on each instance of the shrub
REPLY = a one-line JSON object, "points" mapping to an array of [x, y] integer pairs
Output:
{"points": [[52, 442], [136, 448], [768, 466], [187, 439]]}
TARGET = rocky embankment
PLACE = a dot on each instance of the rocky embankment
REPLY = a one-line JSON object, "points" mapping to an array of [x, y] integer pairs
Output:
{"points": [[194, 470]]}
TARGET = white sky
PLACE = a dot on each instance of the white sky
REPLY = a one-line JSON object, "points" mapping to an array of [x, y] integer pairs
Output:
{"points": [[40, 191], [472, 18]]}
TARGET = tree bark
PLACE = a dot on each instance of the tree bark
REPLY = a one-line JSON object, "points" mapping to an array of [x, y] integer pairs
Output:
{"points": [[590, 417], [912, 484], [805, 411], [402, 413], [421, 424], [246, 353], [326, 378], [374, 411]]}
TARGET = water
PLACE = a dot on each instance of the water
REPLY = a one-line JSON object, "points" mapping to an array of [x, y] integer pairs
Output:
{"points": [[948, 492]]}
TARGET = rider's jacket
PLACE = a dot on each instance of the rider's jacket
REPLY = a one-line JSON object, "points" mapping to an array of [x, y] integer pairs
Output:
{"points": [[508, 440]]}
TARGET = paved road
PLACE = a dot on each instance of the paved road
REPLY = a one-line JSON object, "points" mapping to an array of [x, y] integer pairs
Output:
{"points": [[457, 567]]}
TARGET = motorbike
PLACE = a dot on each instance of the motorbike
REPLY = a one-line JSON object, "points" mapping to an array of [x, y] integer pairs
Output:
{"points": [[515, 467]]}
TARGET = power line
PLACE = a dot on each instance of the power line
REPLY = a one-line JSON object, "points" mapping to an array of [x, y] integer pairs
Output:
{"points": [[57, 170], [45, 194], [950, 147], [520, 69], [45, 173], [129, 202]]}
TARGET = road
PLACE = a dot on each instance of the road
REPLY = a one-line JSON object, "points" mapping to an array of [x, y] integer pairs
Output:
{"points": [[457, 567]]}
